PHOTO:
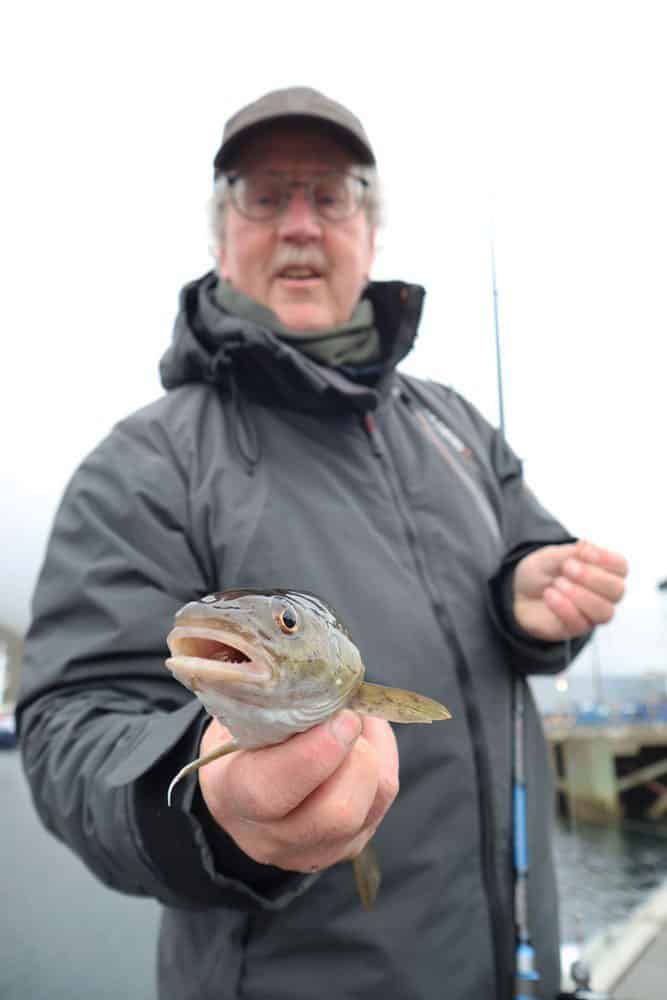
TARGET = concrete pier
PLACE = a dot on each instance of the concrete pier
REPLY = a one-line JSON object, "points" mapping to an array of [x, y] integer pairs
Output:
{"points": [[606, 773], [629, 960]]}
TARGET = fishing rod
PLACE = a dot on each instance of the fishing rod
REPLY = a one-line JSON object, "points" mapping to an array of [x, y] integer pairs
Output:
{"points": [[527, 977]]}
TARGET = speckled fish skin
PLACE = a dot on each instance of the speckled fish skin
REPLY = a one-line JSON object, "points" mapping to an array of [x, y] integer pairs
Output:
{"points": [[269, 664], [288, 681]]}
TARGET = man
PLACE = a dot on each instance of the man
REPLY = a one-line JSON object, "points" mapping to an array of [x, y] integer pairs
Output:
{"points": [[288, 452]]}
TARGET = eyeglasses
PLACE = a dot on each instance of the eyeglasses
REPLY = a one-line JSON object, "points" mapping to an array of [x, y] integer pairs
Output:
{"points": [[264, 196]]}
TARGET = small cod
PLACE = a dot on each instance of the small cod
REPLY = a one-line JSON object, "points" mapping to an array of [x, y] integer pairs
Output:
{"points": [[269, 664]]}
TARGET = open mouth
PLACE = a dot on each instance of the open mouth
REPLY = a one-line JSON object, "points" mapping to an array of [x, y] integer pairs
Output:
{"points": [[205, 657], [300, 274]]}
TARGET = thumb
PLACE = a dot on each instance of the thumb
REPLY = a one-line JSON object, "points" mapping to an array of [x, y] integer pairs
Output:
{"points": [[549, 559], [268, 783]]}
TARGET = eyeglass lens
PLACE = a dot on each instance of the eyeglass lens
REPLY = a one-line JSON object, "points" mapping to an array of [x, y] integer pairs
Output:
{"points": [[263, 196]]}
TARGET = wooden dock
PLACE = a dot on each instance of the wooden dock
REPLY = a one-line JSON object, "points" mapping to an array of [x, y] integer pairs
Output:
{"points": [[605, 773]]}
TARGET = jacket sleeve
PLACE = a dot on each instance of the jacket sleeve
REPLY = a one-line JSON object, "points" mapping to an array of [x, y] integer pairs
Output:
{"points": [[529, 655], [525, 525], [103, 726]]}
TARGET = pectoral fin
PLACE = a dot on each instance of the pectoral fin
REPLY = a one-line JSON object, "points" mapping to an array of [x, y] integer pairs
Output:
{"points": [[367, 876], [396, 705]]}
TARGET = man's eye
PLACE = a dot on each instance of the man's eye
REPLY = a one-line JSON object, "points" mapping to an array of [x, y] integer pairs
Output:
{"points": [[263, 194], [329, 194], [265, 198]]}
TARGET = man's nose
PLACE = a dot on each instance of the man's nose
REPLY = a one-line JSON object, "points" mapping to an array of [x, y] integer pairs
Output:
{"points": [[299, 222]]}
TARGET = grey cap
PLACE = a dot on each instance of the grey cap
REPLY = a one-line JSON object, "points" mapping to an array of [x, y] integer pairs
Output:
{"points": [[296, 103]]}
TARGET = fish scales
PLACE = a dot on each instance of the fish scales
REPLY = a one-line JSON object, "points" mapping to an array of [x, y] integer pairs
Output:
{"points": [[269, 664]]}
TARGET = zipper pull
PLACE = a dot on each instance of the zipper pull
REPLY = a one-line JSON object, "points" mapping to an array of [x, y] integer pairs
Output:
{"points": [[370, 426]]}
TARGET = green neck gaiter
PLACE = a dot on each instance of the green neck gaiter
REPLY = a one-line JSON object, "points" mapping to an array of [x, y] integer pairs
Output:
{"points": [[356, 342]]}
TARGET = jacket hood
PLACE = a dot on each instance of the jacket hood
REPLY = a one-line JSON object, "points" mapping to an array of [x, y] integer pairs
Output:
{"points": [[209, 345]]}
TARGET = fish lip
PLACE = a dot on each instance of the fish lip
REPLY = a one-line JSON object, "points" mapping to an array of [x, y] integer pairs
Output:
{"points": [[192, 670], [254, 671]]}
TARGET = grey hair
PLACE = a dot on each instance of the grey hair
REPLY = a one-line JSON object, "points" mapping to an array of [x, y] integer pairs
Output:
{"points": [[373, 205]]}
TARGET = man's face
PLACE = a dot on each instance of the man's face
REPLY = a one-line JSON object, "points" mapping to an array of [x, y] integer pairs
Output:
{"points": [[263, 259]]}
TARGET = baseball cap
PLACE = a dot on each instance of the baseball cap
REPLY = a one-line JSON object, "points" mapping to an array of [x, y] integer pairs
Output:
{"points": [[296, 103]]}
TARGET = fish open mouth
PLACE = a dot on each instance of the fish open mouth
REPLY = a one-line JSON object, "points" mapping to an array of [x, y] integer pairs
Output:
{"points": [[203, 657]]}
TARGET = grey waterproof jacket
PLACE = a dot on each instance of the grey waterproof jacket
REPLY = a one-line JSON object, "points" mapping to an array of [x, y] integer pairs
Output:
{"points": [[394, 500]]}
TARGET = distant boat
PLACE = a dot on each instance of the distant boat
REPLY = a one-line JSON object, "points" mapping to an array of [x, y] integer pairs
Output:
{"points": [[7, 731]]}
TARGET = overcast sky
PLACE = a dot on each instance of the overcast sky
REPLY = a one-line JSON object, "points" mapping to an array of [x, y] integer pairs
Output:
{"points": [[538, 125]]}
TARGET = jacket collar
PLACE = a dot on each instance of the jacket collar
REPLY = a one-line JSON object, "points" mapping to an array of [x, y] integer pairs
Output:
{"points": [[209, 345]]}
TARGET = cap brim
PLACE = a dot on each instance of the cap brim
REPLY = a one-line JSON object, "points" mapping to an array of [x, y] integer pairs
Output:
{"points": [[231, 147]]}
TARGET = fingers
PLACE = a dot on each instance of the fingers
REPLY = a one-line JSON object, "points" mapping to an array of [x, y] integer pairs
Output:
{"points": [[590, 584], [542, 566], [309, 802], [267, 784], [331, 823], [584, 605], [339, 818], [545, 563], [563, 591], [605, 559], [570, 621], [597, 581], [382, 737]]}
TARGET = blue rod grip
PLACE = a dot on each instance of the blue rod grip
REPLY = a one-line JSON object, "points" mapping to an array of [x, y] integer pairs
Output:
{"points": [[520, 839]]}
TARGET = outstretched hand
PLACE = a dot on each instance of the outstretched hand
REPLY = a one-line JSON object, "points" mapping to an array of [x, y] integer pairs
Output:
{"points": [[563, 591]]}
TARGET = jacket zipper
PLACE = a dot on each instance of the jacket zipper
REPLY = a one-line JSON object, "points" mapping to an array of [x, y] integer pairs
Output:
{"points": [[461, 472], [489, 868]]}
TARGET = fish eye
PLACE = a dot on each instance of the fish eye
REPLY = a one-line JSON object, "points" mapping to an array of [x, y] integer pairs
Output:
{"points": [[288, 621]]}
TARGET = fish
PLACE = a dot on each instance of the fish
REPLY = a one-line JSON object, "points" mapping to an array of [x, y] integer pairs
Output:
{"points": [[272, 663]]}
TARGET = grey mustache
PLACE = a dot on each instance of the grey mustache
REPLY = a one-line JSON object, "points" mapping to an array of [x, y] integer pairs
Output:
{"points": [[299, 257]]}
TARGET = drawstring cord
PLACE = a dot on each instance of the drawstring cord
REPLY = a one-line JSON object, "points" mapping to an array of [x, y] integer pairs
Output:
{"points": [[244, 431]]}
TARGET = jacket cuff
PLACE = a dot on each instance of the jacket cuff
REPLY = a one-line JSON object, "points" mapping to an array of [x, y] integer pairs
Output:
{"points": [[530, 655], [269, 886], [183, 845]]}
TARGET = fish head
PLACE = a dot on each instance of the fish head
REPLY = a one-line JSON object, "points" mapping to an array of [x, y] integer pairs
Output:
{"points": [[265, 648]]}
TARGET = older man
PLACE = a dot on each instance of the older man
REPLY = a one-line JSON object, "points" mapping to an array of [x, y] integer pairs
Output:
{"points": [[289, 452]]}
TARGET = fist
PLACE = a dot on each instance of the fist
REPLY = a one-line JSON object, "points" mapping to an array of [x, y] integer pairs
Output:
{"points": [[310, 802], [563, 591]]}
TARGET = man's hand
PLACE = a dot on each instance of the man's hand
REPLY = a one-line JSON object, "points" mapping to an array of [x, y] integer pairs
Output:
{"points": [[310, 802], [563, 591]]}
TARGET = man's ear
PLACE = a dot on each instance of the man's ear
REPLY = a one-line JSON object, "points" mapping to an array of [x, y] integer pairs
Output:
{"points": [[372, 234]]}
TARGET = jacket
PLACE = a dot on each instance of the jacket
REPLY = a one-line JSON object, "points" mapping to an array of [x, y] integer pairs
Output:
{"points": [[398, 503]]}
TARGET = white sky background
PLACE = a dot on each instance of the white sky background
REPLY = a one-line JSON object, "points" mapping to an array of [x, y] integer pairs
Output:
{"points": [[544, 122]]}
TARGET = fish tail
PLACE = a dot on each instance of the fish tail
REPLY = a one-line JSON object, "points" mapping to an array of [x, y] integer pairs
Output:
{"points": [[367, 875]]}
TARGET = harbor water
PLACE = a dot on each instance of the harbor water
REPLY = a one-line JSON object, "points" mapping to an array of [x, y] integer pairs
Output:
{"points": [[604, 873]]}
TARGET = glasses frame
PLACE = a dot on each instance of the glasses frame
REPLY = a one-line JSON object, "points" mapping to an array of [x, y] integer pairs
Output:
{"points": [[308, 186]]}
